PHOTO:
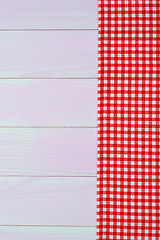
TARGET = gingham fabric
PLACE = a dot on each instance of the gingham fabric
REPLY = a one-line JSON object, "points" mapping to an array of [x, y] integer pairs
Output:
{"points": [[128, 175]]}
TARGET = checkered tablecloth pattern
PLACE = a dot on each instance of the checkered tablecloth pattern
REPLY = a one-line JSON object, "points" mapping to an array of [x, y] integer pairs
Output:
{"points": [[128, 182]]}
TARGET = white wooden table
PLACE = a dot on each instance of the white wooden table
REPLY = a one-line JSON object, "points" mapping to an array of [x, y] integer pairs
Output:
{"points": [[48, 119]]}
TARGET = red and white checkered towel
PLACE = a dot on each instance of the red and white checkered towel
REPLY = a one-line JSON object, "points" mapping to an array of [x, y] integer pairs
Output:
{"points": [[128, 184]]}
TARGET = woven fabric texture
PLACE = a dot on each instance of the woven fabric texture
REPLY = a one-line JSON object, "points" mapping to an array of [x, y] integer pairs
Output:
{"points": [[128, 172]]}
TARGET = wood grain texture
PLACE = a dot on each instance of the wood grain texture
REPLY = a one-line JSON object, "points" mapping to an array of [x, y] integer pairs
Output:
{"points": [[48, 152], [48, 103], [49, 54], [48, 14], [48, 201], [48, 233]]}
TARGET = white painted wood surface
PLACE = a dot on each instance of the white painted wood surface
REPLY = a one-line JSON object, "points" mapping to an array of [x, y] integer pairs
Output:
{"points": [[69, 201], [48, 79], [48, 102], [48, 14], [48, 152], [48, 54], [47, 233]]}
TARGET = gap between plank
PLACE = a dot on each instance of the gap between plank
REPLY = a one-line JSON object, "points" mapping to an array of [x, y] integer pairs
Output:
{"points": [[46, 226], [49, 29], [35, 78], [42, 127], [41, 176]]}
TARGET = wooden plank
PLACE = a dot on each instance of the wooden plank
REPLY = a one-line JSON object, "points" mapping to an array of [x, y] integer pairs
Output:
{"points": [[48, 152], [48, 102], [48, 201], [48, 14], [53, 54], [48, 233]]}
